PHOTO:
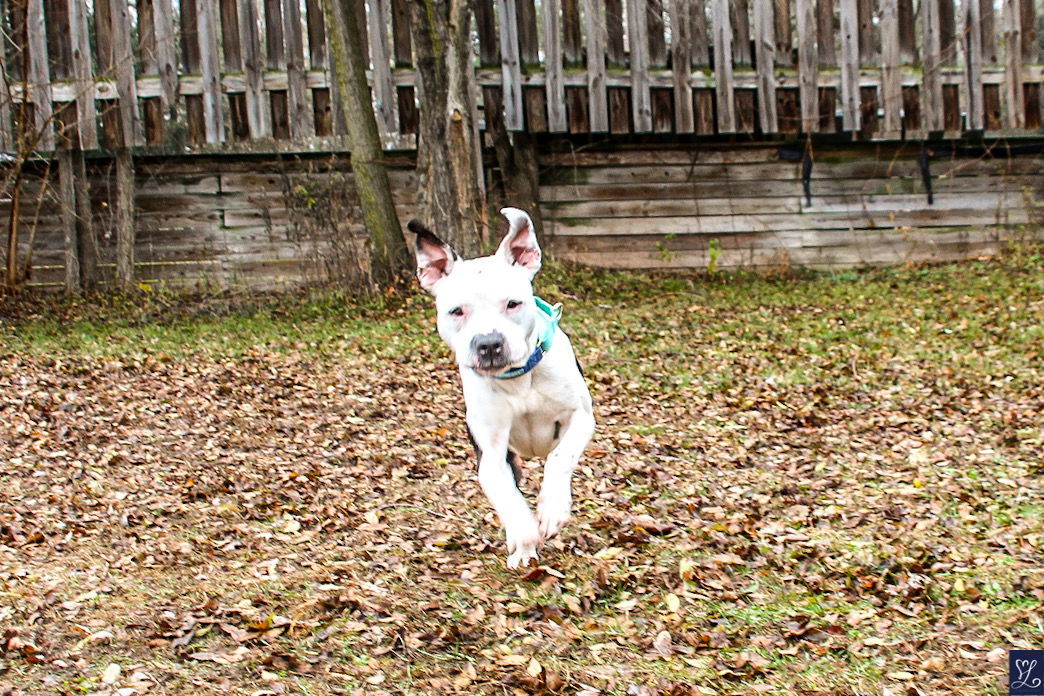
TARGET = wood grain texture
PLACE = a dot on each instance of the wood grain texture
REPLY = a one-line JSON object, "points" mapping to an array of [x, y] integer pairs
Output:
{"points": [[765, 57], [598, 98], [510, 66], [553, 66], [808, 64], [723, 74], [850, 113], [681, 64], [638, 34]]}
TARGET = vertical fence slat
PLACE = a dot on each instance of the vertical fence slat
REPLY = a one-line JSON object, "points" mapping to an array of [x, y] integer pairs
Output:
{"points": [[891, 85], [149, 60], [597, 97], [275, 53], [528, 40], [166, 55], [825, 29], [614, 29], [317, 50], [510, 67], [213, 122], [947, 33], [67, 201], [907, 32], [7, 139], [973, 63], [867, 46], [989, 32], [572, 43], [301, 125], [765, 57], [1014, 103], [808, 65], [83, 76], [253, 70], [130, 127], [380, 58], [637, 30], [723, 80], [232, 53], [849, 65], [39, 75], [931, 97], [739, 19], [486, 24], [654, 28], [681, 64], [701, 46], [1028, 24], [556, 111], [782, 31]]}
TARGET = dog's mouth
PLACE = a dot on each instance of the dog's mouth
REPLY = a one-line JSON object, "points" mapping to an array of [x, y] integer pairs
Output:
{"points": [[490, 369]]}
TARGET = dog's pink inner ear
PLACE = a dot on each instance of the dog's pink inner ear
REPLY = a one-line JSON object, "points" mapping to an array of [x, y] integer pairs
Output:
{"points": [[525, 256], [433, 261], [523, 248]]}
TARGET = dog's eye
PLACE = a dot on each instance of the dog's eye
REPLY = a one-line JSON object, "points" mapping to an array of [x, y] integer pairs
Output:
{"points": [[457, 312], [512, 304]]}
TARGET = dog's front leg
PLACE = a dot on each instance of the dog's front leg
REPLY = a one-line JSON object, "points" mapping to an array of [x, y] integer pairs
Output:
{"points": [[498, 483], [556, 497]]}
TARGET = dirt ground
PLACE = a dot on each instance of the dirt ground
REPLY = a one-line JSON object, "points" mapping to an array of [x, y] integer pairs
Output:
{"points": [[817, 485]]}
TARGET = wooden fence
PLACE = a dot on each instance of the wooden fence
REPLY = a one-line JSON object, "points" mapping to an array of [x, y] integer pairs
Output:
{"points": [[242, 74]]}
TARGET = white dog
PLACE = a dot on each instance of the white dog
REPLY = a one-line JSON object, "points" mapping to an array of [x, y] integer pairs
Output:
{"points": [[524, 393]]}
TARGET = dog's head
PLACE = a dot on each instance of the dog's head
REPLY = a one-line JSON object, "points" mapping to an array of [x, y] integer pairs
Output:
{"points": [[486, 311]]}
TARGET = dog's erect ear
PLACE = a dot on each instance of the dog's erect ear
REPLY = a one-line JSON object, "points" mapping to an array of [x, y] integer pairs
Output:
{"points": [[434, 257], [520, 247]]}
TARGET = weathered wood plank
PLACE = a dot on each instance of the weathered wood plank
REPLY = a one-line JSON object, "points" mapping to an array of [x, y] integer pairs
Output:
{"points": [[765, 57], [826, 32], [572, 44], [401, 41], [907, 33], [739, 19], [510, 66], [723, 76], [654, 25], [681, 64], [619, 110], [850, 112], [1028, 29], [214, 123], [598, 98], [556, 111], [973, 60], [579, 117], [931, 95], [485, 21], [253, 71], [891, 86], [947, 32], [783, 32], [39, 76], [989, 32], [128, 124], [318, 52], [380, 58], [1014, 104], [614, 28], [637, 29], [67, 204], [301, 124], [528, 41], [232, 62], [701, 43], [808, 65], [867, 46], [83, 79]]}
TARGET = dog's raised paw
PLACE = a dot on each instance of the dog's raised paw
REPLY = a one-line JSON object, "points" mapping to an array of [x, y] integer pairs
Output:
{"points": [[522, 557], [552, 514]]}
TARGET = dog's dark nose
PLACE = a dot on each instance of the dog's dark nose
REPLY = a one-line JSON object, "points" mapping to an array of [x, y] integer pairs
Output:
{"points": [[489, 348]]}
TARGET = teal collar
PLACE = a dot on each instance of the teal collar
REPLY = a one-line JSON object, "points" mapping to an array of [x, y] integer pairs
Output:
{"points": [[548, 314]]}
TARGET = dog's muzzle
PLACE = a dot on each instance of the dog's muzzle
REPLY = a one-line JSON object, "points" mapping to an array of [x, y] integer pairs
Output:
{"points": [[490, 351]]}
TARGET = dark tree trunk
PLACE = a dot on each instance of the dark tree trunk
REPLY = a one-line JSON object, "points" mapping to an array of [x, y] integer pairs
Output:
{"points": [[389, 255], [448, 165]]}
